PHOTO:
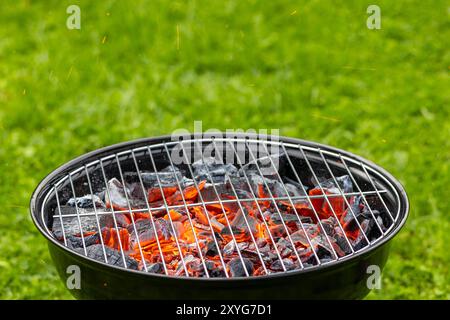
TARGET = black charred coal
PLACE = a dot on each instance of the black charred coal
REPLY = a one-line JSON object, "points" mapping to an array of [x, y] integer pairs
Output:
{"points": [[72, 223], [278, 266], [107, 220], [86, 201], [212, 169], [323, 252], [360, 244], [287, 217], [329, 227], [211, 249], [77, 242], [166, 177], [342, 243], [114, 257], [265, 164], [156, 268], [308, 259], [214, 271], [237, 268], [226, 230], [344, 183]]}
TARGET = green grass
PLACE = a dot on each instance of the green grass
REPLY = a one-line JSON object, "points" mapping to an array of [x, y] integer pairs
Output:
{"points": [[309, 68]]}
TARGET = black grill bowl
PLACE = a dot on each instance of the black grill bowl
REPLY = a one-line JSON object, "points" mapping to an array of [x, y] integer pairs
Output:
{"points": [[346, 278]]}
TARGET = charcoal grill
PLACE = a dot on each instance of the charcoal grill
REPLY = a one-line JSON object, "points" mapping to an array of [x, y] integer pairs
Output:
{"points": [[307, 163]]}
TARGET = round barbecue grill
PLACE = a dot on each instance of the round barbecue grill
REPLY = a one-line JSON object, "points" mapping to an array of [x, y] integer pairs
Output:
{"points": [[219, 216]]}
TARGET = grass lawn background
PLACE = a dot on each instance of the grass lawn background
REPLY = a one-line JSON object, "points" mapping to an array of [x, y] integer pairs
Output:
{"points": [[309, 68]]}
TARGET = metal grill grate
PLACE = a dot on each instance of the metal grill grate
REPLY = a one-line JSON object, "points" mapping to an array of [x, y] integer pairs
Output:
{"points": [[305, 165]]}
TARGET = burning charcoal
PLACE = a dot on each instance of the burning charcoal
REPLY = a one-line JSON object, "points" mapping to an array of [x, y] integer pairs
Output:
{"points": [[359, 244], [270, 256], [263, 248], [213, 169], [72, 224], [307, 220], [154, 194], [178, 228], [240, 185], [116, 238], [237, 268], [277, 266], [338, 204], [131, 177], [224, 190], [295, 184], [86, 201], [380, 220], [201, 216], [114, 257], [155, 268]]}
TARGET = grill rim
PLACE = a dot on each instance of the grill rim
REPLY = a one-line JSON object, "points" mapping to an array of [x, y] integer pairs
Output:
{"points": [[42, 190]]}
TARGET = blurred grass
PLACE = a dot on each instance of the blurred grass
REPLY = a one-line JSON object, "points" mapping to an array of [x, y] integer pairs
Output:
{"points": [[309, 68]]}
